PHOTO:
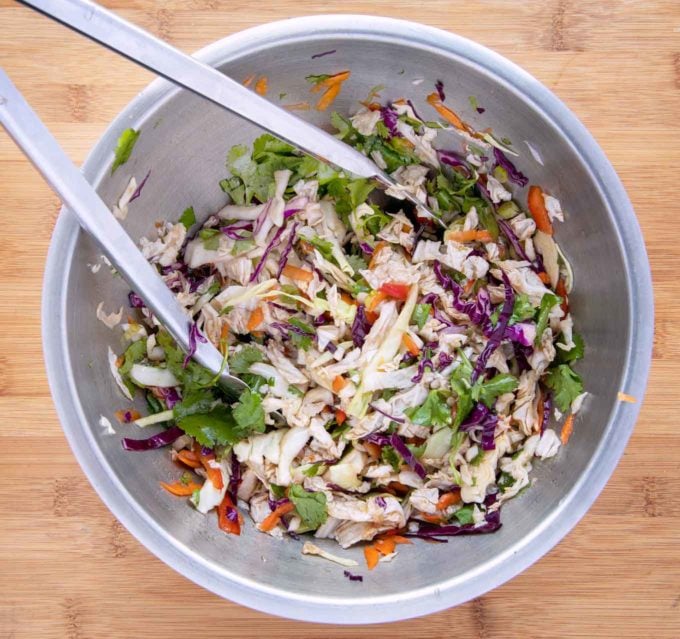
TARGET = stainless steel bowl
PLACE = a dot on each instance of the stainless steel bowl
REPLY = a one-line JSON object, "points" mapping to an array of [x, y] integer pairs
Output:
{"points": [[184, 141]]}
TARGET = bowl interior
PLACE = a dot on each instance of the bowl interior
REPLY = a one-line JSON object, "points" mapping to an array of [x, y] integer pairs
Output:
{"points": [[184, 142]]}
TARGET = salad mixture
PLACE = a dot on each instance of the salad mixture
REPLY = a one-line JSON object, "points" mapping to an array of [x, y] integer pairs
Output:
{"points": [[403, 376]]}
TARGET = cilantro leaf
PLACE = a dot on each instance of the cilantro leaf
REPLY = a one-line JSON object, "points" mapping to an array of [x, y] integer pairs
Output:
{"points": [[195, 402], [316, 79], [434, 411], [522, 309], [126, 142], [134, 354], [211, 239], [240, 363], [421, 313], [303, 326], [547, 302], [357, 262], [566, 385], [194, 376], [311, 507], [214, 427], [505, 481], [460, 384], [487, 392], [323, 246], [188, 218], [464, 514], [574, 354], [390, 456], [249, 414]]}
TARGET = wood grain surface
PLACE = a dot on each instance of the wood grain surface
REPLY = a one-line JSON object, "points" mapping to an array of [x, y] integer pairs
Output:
{"points": [[69, 569]]}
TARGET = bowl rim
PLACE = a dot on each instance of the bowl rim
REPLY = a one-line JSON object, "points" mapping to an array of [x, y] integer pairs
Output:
{"points": [[491, 573]]}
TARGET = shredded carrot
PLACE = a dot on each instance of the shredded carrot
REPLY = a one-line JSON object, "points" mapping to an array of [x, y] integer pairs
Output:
{"points": [[410, 344], [468, 236], [119, 361], [181, 490], [372, 557], [296, 273], [372, 449], [127, 416], [224, 333], [330, 81], [374, 299], [624, 397], [348, 299], [433, 519], [261, 85], [328, 97], [385, 546], [371, 316], [378, 247], [298, 106], [398, 487], [448, 499], [214, 474], [340, 416], [567, 429], [223, 521], [189, 458], [398, 539], [469, 285], [538, 210], [544, 277], [249, 80], [446, 113], [371, 106], [561, 290], [339, 382], [270, 521], [255, 319]]}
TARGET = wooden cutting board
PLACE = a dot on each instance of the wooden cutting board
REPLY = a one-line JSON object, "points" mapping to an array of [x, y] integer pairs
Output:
{"points": [[69, 569]]}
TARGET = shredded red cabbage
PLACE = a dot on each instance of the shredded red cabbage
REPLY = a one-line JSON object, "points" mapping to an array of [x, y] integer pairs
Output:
{"points": [[274, 241], [399, 445], [286, 251], [366, 248], [295, 205], [444, 360], [483, 422], [380, 500], [275, 503], [478, 311], [498, 332], [547, 409], [138, 190], [231, 231], [155, 441], [453, 159], [234, 477], [360, 327], [399, 420], [390, 118], [415, 113], [424, 363], [352, 577], [512, 238], [430, 298], [430, 531], [323, 53], [195, 336], [522, 333], [439, 85], [169, 395], [135, 301], [513, 174]]}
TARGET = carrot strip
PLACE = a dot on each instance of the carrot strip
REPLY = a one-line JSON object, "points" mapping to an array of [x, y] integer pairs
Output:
{"points": [[450, 116], [448, 499], [296, 273], [339, 382], [561, 290], [468, 236], [385, 546], [433, 519], [255, 319], [214, 474], [127, 416], [330, 81], [398, 539], [223, 521], [328, 97], [340, 416], [270, 521], [261, 85], [624, 397], [374, 300], [189, 458], [298, 106], [544, 277], [538, 210], [372, 557], [567, 429], [378, 247], [181, 490], [249, 80], [469, 285], [410, 344]]}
